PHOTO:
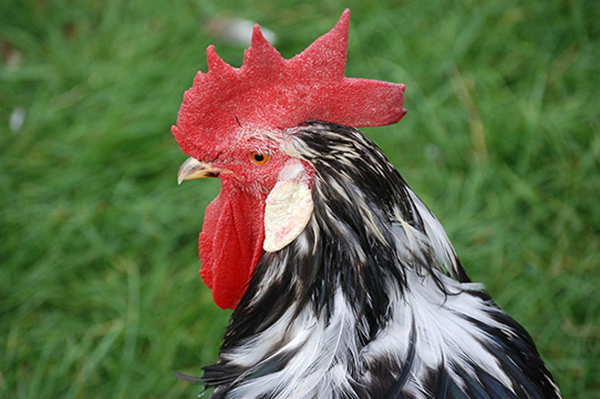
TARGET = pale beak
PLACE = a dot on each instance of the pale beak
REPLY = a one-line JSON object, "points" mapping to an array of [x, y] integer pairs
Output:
{"points": [[193, 169]]}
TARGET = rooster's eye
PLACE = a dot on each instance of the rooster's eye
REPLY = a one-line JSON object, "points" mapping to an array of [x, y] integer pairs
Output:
{"points": [[259, 158]]}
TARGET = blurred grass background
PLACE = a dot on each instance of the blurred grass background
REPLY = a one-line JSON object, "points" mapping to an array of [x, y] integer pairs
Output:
{"points": [[99, 291]]}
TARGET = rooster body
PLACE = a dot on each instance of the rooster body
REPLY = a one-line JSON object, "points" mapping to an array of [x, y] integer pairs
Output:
{"points": [[370, 300], [344, 284]]}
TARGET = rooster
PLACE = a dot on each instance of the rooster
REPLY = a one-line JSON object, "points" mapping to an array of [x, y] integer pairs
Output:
{"points": [[342, 281]]}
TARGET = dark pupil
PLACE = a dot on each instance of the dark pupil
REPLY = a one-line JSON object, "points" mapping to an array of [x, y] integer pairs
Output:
{"points": [[258, 157]]}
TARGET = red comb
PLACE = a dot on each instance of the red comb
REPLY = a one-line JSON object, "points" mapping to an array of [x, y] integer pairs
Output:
{"points": [[269, 91]]}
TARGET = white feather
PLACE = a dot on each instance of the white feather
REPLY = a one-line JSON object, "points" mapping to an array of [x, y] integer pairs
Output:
{"points": [[437, 235]]}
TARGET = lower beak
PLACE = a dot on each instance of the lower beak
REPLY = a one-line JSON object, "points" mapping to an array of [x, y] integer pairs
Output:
{"points": [[193, 169]]}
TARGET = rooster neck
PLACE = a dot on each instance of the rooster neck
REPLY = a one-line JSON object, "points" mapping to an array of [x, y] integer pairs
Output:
{"points": [[337, 284], [369, 301]]}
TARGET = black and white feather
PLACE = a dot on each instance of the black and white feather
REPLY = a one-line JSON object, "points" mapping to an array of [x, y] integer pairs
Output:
{"points": [[370, 300]]}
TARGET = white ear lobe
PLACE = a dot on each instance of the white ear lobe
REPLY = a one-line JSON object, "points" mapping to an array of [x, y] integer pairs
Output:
{"points": [[289, 207]]}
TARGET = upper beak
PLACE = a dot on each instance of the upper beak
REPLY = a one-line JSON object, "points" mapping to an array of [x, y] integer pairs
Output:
{"points": [[194, 169]]}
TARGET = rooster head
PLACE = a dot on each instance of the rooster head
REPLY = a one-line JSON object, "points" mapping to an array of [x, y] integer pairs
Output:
{"points": [[235, 124]]}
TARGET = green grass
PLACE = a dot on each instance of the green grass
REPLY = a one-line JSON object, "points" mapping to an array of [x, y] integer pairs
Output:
{"points": [[99, 292]]}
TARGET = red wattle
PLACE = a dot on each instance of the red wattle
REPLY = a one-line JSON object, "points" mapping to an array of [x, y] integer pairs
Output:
{"points": [[231, 244]]}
